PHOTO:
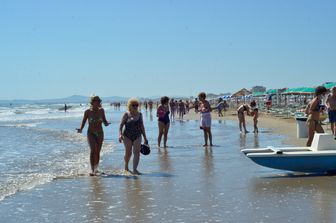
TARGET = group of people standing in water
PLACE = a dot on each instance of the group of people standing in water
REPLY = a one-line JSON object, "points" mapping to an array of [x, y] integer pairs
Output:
{"points": [[132, 130]]}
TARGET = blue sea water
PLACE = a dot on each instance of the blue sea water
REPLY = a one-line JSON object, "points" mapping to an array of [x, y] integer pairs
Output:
{"points": [[39, 143], [183, 183]]}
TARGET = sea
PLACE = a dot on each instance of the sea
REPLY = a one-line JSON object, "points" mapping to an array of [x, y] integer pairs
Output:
{"points": [[44, 166], [39, 143]]}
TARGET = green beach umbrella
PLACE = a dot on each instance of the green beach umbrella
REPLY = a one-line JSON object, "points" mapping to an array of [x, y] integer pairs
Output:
{"points": [[271, 91], [258, 94], [330, 85]]}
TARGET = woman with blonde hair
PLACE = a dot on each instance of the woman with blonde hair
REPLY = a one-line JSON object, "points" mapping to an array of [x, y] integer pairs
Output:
{"points": [[95, 134], [130, 131]]}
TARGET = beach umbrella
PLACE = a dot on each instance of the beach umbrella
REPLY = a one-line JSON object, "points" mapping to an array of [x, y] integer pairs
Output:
{"points": [[308, 90], [329, 85], [259, 94], [272, 91]]}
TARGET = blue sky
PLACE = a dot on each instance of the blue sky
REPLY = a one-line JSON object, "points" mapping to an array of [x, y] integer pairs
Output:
{"points": [[53, 49]]}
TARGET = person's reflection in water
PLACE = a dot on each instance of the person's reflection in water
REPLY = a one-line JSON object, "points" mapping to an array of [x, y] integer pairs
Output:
{"points": [[138, 201], [151, 116], [98, 200], [165, 162], [208, 162], [256, 141], [242, 141]]}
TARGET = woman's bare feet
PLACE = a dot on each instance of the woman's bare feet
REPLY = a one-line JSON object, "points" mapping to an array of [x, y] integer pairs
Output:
{"points": [[136, 172]]}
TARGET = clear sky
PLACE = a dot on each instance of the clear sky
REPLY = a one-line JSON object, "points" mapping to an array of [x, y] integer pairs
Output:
{"points": [[54, 49]]}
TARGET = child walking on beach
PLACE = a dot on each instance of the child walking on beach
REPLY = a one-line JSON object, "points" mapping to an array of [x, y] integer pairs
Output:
{"points": [[205, 123], [95, 134]]}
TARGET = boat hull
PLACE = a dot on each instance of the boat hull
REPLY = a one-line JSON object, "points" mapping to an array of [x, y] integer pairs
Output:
{"points": [[305, 163]]}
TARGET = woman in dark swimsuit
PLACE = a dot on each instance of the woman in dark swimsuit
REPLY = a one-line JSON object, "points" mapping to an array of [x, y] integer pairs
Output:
{"points": [[95, 134], [314, 110], [131, 134], [163, 120]]}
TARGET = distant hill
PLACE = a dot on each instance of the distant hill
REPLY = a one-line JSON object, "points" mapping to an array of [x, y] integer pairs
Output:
{"points": [[85, 99], [67, 100]]}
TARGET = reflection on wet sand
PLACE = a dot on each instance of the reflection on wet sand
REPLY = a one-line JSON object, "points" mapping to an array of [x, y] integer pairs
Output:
{"points": [[242, 141], [256, 141], [299, 190], [98, 200], [208, 162], [165, 162], [138, 202]]}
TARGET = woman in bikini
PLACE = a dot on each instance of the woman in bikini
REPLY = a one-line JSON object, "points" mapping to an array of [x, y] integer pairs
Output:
{"points": [[95, 115], [163, 120], [331, 103], [130, 131], [314, 110], [241, 117]]}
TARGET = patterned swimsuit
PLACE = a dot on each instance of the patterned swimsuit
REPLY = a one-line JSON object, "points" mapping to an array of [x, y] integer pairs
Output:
{"points": [[133, 128]]}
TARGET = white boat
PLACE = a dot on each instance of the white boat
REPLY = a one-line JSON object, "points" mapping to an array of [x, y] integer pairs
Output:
{"points": [[319, 157]]}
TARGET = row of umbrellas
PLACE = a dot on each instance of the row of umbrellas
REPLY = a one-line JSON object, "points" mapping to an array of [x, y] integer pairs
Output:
{"points": [[289, 91]]}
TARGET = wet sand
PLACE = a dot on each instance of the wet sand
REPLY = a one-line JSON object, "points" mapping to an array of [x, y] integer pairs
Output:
{"points": [[183, 183], [276, 125]]}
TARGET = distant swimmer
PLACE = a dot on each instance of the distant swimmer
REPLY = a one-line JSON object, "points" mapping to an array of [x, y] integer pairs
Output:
{"points": [[65, 107], [95, 115], [163, 120], [130, 131]]}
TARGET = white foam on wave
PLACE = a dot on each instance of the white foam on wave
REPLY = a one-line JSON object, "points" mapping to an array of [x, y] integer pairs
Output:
{"points": [[68, 157]]}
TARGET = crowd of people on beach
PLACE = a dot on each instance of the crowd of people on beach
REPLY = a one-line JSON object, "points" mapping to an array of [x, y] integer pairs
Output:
{"points": [[132, 129]]}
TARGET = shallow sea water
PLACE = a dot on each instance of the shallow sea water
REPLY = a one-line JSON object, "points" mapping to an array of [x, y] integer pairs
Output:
{"points": [[183, 183]]}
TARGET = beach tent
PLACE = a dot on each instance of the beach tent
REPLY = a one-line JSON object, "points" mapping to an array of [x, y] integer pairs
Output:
{"points": [[241, 92]]}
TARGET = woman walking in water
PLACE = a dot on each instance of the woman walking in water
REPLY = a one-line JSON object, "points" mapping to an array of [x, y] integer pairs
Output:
{"points": [[314, 109], [130, 131], [205, 124], [95, 134], [163, 120]]}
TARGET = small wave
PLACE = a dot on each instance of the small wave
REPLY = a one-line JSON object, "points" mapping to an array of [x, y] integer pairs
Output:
{"points": [[53, 154]]}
